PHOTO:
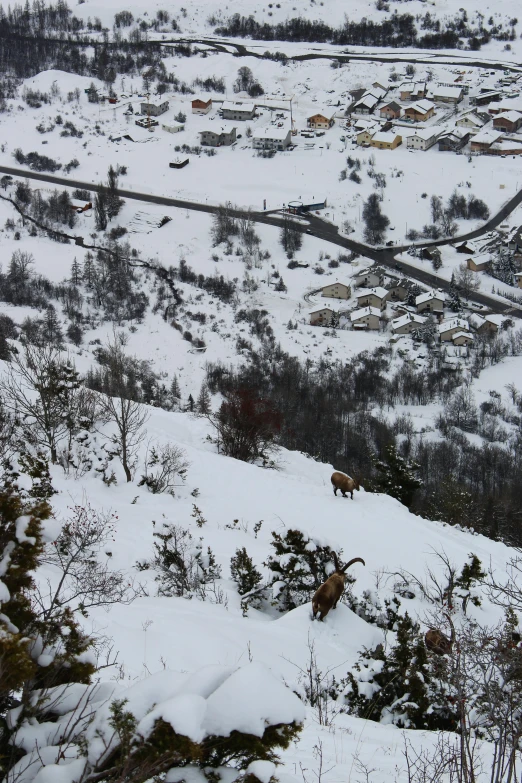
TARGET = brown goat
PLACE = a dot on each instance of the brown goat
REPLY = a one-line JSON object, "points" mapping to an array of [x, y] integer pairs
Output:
{"points": [[437, 642], [344, 483], [328, 594]]}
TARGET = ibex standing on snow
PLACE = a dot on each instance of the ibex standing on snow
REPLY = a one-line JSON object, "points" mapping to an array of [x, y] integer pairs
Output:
{"points": [[327, 596]]}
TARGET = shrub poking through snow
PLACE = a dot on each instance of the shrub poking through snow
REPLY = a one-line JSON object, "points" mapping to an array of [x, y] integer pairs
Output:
{"points": [[183, 569], [165, 469], [243, 571]]}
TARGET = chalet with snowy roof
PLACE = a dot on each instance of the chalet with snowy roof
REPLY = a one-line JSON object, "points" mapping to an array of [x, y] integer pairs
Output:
{"points": [[508, 121], [236, 110], [365, 136], [385, 140], [462, 338], [370, 278], [366, 318], [467, 247], [321, 317], [217, 138], [454, 140], [447, 329], [337, 290], [398, 290], [154, 109], [407, 323], [373, 297], [413, 91], [322, 120], [272, 138], [478, 263], [473, 121], [420, 111], [431, 302], [483, 140], [391, 111], [423, 138], [442, 94], [367, 104], [200, 106]]}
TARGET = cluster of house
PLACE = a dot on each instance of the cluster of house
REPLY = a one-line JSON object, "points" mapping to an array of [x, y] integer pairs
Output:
{"points": [[480, 257], [372, 298]]}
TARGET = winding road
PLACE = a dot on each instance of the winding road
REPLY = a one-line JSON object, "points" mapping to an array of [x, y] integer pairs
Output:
{"points": [[316, 227]]}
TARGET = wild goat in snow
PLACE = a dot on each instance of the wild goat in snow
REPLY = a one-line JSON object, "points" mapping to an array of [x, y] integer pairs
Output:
{"points": [[327, 596], [344, 483], [437, 642]]}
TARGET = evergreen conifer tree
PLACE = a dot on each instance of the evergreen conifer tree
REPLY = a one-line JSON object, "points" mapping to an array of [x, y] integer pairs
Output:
{"points": [[454, 303], [396, 476], [203, 405], [243, 571]]}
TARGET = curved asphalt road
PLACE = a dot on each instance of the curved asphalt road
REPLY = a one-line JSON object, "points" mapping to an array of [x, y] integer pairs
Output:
{"points": [[318, 228]]}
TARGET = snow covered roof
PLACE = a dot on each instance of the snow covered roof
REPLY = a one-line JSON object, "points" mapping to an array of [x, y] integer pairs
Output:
{"points": [[429, 295], [378, 291], [486, 136], [368, 100], [238, 106], [495, 318], [473, 117], [467, 335], [271, 133], [407, 318], [387, 137], [447, 92], [363, 312], [511, 116], [476, 320], [453, 323], [370, 128], [326, 111], [426, 133], [422, 106]]}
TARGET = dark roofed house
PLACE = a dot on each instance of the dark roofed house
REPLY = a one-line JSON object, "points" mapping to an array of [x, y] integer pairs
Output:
{"points": [[392, 111]]}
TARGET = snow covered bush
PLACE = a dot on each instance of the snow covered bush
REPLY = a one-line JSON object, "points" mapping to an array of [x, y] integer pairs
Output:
{"points": [[183, 570], [402, 685]]}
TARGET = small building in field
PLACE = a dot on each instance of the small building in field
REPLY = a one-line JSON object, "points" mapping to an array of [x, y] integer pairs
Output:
{"points": [[473, 121], [322, 120], [442, 94], [518, 279], [200, 106], [385, 140], [467, 248], [321, 317], [366, 318], [235, 110], [423, 138], [272, 138], [179, 163], [454, 140], [431, 301], [420, 111], [478, 264], [221, 138], [391, 111], [448, 328], [373, 297], [337, 290], [154, 109], [173, 126], [489, 324], [462, 338], [508, 121], [407, 323], [413, 91]]}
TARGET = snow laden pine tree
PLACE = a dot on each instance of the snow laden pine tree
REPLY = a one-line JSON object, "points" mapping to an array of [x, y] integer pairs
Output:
{"points": [[396, 476]]}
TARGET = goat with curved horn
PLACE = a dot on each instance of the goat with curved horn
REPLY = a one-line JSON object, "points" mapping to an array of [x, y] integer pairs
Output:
{"points": [[327, 595]]}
